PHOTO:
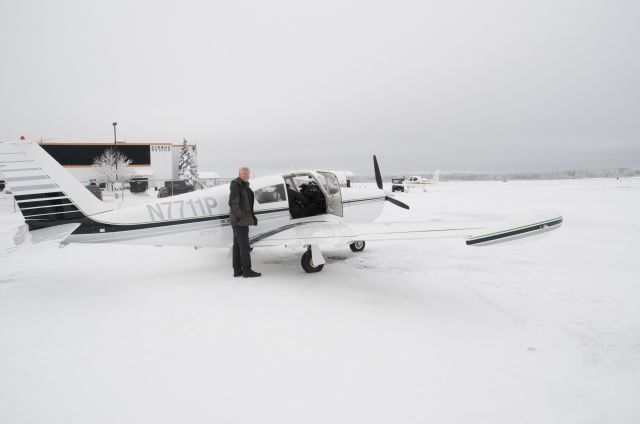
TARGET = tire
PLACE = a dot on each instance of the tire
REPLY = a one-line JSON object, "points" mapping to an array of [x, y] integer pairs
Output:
{"points": [[357, 246], [307, 263]]}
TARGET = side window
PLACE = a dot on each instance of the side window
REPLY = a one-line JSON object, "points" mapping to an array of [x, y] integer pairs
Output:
{"points": [[270, 194]]}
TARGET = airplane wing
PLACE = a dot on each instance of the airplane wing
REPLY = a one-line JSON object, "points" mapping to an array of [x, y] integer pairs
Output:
{"points": [[327, 234]]}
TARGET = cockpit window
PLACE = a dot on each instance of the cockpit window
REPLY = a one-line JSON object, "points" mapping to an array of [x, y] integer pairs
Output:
{"points": [[270, 194]]}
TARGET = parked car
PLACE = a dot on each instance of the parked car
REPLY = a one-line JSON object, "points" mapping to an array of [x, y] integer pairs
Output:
{"points": [[171, 188], [397, 184], [93, 188], [138, 186]]}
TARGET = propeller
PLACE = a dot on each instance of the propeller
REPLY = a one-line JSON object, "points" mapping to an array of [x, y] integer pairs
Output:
{"points": [[376, 169], [396, 202], [388, 198]]}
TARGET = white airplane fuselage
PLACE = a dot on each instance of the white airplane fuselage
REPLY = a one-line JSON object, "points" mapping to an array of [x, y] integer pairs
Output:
{"points": [[201, 218]]}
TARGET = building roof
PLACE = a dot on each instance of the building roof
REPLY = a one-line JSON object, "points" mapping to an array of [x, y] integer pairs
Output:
{"points": [[110, 143], [207, 174]]}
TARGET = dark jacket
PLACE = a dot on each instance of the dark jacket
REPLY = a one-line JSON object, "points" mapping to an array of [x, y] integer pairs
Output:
{"points": [[241, 204]]}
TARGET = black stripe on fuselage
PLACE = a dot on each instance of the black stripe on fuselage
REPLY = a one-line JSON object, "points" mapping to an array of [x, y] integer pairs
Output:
{"points": [[262, 236], [90, 226], [515, 232], [369, 199]]}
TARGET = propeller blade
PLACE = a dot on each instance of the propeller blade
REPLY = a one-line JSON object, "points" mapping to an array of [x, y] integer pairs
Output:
{"points": [[376, 169], [396, 202]]}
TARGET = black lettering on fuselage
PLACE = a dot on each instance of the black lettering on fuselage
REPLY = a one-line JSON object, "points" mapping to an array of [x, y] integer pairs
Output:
{"points": [[211, 204], [158, 211], [155, 210]]}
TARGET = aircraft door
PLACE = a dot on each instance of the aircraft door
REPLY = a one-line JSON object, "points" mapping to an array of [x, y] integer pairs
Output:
{"points": [[331, 187]]}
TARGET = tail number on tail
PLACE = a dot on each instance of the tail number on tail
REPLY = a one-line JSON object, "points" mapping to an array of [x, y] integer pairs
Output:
{"points": [[178, 209]]}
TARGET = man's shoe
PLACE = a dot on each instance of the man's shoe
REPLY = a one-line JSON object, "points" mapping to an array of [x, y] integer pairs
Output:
{"points": [[251, 273], [237, 273]]}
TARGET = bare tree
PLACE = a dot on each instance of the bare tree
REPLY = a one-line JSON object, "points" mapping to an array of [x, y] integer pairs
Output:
{"points": [[105, 166]]}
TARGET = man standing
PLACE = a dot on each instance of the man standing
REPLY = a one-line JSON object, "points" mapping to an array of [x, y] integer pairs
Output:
{"points": [[241, 216]]}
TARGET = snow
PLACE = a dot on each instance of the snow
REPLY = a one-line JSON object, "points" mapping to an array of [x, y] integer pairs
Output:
{"points": [[426, 331]]}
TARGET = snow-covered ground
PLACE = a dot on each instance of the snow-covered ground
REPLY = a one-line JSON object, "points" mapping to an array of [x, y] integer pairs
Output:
{"points": [[404, 332]]}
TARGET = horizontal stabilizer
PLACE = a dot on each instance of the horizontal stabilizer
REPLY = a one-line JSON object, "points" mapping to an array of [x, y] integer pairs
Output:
{"points": [[56, 234], [514, 231]]}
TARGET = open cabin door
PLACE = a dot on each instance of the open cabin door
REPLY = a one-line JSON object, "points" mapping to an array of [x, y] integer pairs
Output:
{"points": [[313, 193], [331, 185]]}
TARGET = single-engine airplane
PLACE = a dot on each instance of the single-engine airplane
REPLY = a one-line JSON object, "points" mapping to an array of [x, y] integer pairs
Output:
{"points": [[417, 181], [58, 208]]}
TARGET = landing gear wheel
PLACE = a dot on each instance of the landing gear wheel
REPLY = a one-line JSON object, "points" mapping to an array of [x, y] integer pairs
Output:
{"points": [[307, 263], [357, 246]]}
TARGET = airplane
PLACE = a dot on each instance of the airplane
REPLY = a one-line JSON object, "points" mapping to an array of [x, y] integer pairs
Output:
{"points": [[417, 181], [58, 208]]}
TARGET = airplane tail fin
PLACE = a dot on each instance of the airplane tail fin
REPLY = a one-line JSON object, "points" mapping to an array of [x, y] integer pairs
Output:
{"points": [[45, 192]]}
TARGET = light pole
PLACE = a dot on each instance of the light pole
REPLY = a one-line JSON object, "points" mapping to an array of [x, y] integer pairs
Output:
{"points": [[115, 150]]}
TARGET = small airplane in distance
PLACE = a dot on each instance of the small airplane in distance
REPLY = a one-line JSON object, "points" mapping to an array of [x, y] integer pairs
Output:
{"points": [[417, 181], [306, 209]]}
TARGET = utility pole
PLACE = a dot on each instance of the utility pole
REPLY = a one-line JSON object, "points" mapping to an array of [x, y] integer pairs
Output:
{"points": [[115, 149]]}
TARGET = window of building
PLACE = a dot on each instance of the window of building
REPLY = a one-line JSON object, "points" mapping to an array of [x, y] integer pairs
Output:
{"points": [[85, 154], [270, 194]]}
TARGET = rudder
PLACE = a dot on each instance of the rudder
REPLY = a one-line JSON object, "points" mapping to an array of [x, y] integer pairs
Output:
{"points": [[46, 193]]}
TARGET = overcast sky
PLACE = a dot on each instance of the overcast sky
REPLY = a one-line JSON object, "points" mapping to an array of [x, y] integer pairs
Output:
{"points": [[456, 85]]}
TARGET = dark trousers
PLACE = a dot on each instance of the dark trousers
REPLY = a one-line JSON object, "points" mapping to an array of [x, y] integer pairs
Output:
{"points": [[241, 255]]}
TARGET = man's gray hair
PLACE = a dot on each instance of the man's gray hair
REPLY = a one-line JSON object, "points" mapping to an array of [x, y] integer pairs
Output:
{"points": [[244, 169]]}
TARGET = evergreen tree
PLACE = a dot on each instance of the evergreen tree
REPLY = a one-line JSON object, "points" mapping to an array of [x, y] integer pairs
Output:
{"points": [[187, 166]]}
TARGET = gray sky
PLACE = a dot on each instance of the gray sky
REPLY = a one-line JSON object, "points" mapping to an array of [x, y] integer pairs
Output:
{"points": [[461, 86]]}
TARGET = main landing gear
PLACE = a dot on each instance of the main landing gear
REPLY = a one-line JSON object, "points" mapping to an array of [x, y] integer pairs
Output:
{"points": [[313, 261], [357, 246]]}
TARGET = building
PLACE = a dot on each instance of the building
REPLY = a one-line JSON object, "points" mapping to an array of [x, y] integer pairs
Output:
{"points": [[209, 178], [153, 162]]}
